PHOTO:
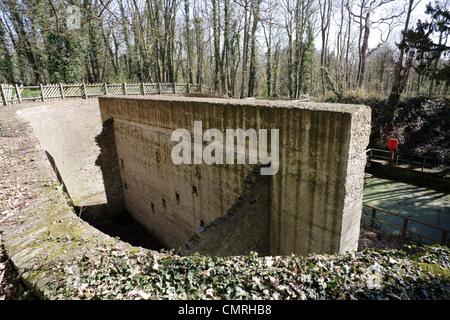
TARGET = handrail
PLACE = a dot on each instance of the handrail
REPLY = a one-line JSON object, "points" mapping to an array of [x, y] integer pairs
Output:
{"points": [[404, 228]]}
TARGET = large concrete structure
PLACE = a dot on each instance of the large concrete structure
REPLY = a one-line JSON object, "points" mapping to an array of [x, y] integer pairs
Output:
{"points": [[312, 204]]}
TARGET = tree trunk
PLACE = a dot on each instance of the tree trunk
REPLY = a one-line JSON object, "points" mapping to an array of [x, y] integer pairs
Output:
{"points": [[362, 53], [325, 14], [252, 73], [277, 58], [401, 74], [247, 17], [189, 60], [226, 50], [216, 30], [269, 80], [199, 43]]}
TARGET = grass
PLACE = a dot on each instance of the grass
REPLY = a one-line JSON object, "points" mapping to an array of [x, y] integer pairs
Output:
{"points": [[30, 93]]}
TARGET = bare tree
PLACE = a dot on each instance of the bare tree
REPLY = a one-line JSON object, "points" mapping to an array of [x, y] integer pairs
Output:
{"points": [[298, 20], [401, 72], [199, 42], [325, 12], [226, 84], [364, 19], [189, 44], [253, 49], [268, 22], [247, 20], [288, 12]]}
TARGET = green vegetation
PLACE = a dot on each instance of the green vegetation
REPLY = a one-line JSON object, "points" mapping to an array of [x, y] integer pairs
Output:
{"points": [[412, 273], [427, 43], [30, 93], [421, 124]]}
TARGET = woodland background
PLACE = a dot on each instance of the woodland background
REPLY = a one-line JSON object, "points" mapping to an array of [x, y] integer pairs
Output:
{"points": [[376, 52], [240, 48]]}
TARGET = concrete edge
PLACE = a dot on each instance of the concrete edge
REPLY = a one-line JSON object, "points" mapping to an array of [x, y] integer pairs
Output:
{"points": [[288, 104], [50, 232]]}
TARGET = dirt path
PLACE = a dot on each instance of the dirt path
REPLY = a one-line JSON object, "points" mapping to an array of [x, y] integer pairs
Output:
{"points": [[19, 184]]}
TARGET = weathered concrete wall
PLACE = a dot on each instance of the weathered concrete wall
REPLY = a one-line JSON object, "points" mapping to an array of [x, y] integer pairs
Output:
{"points": [[315, 197], [108, 161], [244, 229]]}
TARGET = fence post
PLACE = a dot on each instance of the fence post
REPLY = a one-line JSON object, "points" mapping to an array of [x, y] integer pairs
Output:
{"points": [[62, 91], [42, 92], [444, 237], [174, 87], [143, 88], [124, 85], [372, 222], [18, 93], [3, 95], [405, 226], [106, 89], [159, 87], [84, 90], [423, 164], [188, 88]]}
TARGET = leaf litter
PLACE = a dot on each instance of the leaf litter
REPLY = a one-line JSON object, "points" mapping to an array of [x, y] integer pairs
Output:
{"points": [[368, 274]]}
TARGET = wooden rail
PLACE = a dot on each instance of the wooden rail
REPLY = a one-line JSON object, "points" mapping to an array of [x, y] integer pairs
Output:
{"points": [[14, 94], [404, 228]]}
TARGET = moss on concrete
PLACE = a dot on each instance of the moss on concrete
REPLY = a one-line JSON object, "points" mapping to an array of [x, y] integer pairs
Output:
{"points": [[51, 232]]}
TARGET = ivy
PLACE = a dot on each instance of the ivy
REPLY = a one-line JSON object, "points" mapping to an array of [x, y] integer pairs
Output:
{"points": [[370, 274]]}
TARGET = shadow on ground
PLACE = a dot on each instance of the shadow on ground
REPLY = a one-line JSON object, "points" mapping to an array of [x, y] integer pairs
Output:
{"points": [[123, 226]]}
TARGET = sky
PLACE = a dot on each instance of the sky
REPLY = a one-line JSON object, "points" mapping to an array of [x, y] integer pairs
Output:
{"points": [[375, 34], [418, 13]]}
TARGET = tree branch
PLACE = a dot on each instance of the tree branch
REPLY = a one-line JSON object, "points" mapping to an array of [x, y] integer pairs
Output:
{"points": [[56, 14]]}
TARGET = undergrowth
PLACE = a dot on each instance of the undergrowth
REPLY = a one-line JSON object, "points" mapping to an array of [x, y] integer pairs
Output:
{"points": [[421, 123], [369, 274]]}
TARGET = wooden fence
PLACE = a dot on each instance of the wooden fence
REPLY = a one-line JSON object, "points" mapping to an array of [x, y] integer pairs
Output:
{"points": [[16, 94], [404, 229]]}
